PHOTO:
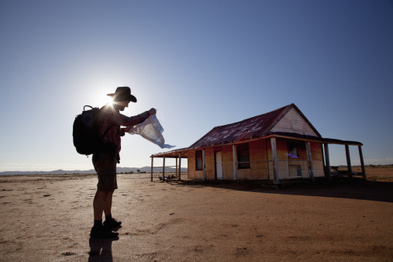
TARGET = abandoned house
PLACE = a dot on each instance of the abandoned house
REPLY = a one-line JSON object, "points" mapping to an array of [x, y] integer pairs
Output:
{"points": [[275, 146]]}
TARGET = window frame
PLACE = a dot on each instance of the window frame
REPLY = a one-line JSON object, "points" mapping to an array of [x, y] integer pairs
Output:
{"points": [[294, 149], [243, 156], [198, 160]]}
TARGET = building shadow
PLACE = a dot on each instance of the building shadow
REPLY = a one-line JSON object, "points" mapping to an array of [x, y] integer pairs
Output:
{"points": [[101, 250], [351, 188]]}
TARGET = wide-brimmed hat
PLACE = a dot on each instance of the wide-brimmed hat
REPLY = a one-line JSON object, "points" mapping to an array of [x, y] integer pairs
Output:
{"points": [[123, 93]]}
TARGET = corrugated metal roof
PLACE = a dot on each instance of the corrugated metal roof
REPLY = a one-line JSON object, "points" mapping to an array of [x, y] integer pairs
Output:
{"points": [[184, 151], [172, 153], [252, 128], [316, 139], [247, 129]]}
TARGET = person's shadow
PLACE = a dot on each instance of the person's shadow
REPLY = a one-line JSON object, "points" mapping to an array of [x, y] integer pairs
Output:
{"points": [[101, 249]]}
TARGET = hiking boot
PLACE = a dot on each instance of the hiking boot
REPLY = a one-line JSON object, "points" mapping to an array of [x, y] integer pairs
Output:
{"points": [[103, 232], [112, 224]]}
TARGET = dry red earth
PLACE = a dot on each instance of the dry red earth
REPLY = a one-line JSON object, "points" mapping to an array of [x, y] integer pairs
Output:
{"points": [[48, 218]]}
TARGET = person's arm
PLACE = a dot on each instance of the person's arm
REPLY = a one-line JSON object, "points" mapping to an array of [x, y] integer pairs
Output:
{"points": [[129, 122]]}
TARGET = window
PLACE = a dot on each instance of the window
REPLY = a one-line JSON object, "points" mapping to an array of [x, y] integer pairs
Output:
{"points": [[294, 148], [243, 156], [198, 160]]}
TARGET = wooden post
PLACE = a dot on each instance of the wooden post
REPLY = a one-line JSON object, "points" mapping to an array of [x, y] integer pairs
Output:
{"points": [[348, 160], [362, 161], [274, 156], [203, 165], [327, 160], [151, 170], [176, 166], [267, 159], [163, 169], [309, 158], [178, 178], [234, 153]]}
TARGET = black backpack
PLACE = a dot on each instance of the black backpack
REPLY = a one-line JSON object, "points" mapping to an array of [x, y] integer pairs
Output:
{"points": [[85, 132]]}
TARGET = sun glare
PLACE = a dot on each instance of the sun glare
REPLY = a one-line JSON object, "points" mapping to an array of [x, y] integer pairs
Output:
{"points": [[104, 100], [109, 101]]}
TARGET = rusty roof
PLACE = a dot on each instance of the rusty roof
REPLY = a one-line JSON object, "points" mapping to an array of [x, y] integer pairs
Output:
{"points": [[251, 128]]}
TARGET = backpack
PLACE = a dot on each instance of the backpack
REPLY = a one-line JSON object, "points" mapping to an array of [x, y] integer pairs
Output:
{"points": [[86, 131]]}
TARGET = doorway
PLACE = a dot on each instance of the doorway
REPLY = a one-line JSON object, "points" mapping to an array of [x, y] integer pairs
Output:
{"points": [[218, 165]]}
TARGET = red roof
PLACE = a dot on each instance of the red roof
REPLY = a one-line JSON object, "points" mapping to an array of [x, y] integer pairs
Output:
{"points": [[251, 128]]}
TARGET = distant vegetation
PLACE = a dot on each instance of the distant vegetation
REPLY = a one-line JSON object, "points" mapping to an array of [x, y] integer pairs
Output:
{"points": [[380, 166]]}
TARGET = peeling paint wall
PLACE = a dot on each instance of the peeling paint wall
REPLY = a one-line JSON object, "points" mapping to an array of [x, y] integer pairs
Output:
{"points": [[261, 166]]}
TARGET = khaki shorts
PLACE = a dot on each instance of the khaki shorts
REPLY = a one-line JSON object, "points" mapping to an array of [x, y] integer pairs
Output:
{"points": [[105, 166]]}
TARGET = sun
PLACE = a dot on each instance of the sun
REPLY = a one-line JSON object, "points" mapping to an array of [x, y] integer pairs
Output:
{"points": [[103, 99], [109, 101]]}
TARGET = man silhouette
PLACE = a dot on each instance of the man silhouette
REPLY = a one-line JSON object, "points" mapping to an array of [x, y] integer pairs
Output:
{"points": [[113, 125]]}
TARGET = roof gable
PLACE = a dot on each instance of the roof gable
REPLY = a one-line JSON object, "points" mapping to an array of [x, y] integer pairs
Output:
{"points": [[294, 122], [258, 126]]}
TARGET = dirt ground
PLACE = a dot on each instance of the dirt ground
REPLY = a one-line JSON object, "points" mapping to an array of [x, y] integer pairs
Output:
{"points": [[48, 218]]}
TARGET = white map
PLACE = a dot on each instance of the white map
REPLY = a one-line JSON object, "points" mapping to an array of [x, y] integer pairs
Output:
{"points": [[151, 130]]}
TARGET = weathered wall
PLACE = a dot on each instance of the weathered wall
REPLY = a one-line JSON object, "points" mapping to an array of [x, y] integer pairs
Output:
{"points": [[293, 122], [299, 167], [261, 166], [317, 159]]}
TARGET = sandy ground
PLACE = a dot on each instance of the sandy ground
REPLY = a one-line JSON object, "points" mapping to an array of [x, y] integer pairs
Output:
{"points": [[48, 218]]}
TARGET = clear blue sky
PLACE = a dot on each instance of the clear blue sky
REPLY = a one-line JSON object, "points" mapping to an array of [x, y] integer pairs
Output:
{"points": [[200, 63]]}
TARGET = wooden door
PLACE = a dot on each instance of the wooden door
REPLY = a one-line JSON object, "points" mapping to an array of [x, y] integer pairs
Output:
{"points": [[218, 164]]}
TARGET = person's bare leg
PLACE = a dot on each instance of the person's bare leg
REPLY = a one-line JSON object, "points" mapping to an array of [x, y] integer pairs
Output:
{"points": [[99, 204], [110, 222], [108, 203]]}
